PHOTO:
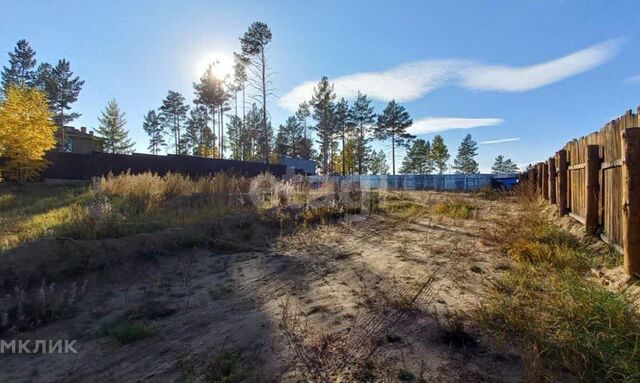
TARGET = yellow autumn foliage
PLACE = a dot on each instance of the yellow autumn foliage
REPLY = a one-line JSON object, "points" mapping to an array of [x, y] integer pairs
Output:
{"points": [[26, 133]]}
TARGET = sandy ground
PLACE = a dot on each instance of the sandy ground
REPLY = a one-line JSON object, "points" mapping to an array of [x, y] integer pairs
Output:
{"points": [[370, 297]]}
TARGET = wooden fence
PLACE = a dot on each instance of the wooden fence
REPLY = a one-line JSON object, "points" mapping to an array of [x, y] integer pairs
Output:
{"points": [[596, 180]]}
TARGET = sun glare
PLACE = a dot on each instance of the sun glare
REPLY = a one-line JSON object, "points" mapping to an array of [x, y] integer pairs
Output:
{"points": [[222, 65]]}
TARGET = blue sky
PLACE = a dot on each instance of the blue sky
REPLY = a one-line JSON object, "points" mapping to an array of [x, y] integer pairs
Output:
{"points": [[541, 72]]}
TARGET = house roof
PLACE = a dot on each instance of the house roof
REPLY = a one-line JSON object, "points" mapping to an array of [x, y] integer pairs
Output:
{"points": [[71, 131]]}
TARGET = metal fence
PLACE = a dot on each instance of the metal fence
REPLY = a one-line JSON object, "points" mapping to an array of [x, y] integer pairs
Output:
{"points": [[445, 182], [77, 166]]}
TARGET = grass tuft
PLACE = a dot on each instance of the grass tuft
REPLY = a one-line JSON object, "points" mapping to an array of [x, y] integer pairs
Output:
{"points": [[455, 208]]}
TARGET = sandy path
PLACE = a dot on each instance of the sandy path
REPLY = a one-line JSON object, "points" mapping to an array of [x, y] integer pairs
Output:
{"points": [[348, 279]]}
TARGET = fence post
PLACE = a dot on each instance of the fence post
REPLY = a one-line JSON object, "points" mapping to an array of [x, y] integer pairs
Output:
{"points": [[552, 180], [545, 181], [630, 200], [539, 179], [562, 182], [592, 172]]}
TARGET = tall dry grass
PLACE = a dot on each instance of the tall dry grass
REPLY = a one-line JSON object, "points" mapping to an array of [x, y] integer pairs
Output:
{"points": [[547, 301]]}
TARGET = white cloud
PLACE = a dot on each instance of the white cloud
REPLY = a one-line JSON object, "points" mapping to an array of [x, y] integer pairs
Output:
{"points": [[440, 124], [411, 81], [500, 141], [513, 79], [403, 83], [633, 79]]}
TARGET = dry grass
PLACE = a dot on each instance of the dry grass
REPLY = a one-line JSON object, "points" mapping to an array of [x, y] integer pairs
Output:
{"points": [[562, 318], [126, 204], [455, 207]]}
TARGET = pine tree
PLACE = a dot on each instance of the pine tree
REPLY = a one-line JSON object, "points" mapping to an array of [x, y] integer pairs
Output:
{"points": [[392, 124], [115, 137], [290, 140], [208, 92], [378, 163], [464, 162], [302, 114], [62, 90], [20, 71], [250, 133], [323, 106], [418, 158], [362, 117], [510, 167], [195, 125], [173, 112], [234, 132], [240, 77], [26, 133], [343, 127], [502, 166], [439, 154], [498, 165], [253, 45], [152, 125]]}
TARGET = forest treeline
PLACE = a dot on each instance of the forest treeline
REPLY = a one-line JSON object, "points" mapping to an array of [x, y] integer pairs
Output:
{"points": [[229, 118]]}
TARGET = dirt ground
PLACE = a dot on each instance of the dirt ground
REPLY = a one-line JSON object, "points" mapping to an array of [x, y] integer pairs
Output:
{"points": [[378, 297]]}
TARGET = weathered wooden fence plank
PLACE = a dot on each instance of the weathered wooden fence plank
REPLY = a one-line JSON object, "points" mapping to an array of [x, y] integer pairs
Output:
{"points": [[552, 180], [631, 199], [562, 182], [592, 184]]}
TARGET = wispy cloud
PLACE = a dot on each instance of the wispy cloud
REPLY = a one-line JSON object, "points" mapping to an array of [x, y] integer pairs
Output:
{"points": [[633, 79], [440, 124], [403, 83], [500, 141], [513, 79], [411, 81]]}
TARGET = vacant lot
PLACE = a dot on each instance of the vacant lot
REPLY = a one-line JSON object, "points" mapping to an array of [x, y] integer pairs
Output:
{"points": [[424, 288]]}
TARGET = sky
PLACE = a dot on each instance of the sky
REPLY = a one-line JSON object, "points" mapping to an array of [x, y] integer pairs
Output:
{"points": [[522, 77]]}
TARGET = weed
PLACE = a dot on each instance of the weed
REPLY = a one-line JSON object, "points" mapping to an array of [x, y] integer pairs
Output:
{"points": [[455, 208], [127, 332], [453, 332], [406, 376], [224, 367]]}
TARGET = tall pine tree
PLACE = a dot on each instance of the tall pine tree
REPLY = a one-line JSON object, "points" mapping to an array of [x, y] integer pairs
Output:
{"points": [[323, 106], [302, 114], [115, 138], [439, 154], [62, 90], [392, 124], [464, 163], [152, 125], [173, 113], [21, 70], [343, 128], [362, 117], [254, 43], [418, 158]]}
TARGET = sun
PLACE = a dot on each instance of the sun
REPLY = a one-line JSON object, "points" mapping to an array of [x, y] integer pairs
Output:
{"points": [[222, 65]]}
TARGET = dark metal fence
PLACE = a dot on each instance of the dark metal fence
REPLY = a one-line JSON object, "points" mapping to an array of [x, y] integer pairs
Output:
{"points": [[76, 166]]}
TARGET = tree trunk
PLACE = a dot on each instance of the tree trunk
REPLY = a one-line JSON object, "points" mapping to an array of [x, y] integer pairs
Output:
{"points": [[264, 106], [393, 153], [244, 119], [344, 170]]}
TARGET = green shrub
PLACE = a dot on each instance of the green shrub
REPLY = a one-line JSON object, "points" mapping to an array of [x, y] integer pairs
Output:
{"points": [[128, 331]]}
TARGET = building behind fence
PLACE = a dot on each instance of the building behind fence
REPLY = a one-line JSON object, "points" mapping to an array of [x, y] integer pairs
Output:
{"points": [[596, 180]]}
